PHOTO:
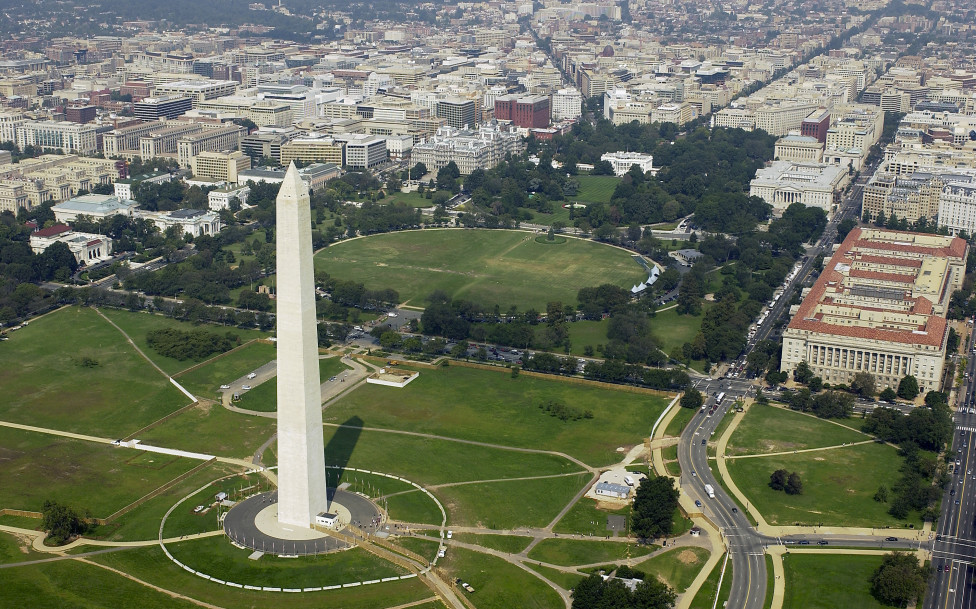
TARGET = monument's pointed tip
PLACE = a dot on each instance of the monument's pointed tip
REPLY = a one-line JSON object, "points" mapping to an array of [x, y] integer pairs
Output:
{"points": [[292, 185]]}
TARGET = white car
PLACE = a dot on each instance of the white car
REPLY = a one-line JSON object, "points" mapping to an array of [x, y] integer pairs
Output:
{"points": [[252, 375], [225, 386], [245, 387]]}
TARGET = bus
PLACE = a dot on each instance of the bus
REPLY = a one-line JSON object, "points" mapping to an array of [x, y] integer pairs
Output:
{"points": [[721, 396]]}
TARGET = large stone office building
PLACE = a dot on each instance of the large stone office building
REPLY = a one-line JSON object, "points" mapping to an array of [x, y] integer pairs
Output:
{"points": [[879, 307]]}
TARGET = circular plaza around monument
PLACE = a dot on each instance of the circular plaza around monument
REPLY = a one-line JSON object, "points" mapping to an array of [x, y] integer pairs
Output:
{"points": [[253, 523]]}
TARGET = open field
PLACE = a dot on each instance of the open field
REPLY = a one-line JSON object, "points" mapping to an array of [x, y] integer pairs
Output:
{"points": [[838, 486], [505, 505], [671, 330], [216, 556], [490, 406], [35, 467], [264, 397], [586, 333], [768, 429], [584, 518], [595, 189], [443, 461], [143, 522], [571, 552], [48, 382], [413, 199], [680, 421], [151, 565], [212, 429], [74, 585], [513, 544], [498, 584], [677, 568], [485, 266], [560, 578], [206, 380], [137, 325], [826, 581]]}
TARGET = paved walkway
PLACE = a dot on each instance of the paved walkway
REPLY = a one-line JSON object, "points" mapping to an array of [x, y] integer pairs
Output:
{"points": [[131, 342], [801, 450]]}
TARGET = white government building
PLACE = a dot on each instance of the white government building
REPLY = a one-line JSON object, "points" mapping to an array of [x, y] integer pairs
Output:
{"points": [[783, 183]]}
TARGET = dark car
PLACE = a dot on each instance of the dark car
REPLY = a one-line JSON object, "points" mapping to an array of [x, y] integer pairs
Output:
{"points": [[823, 542], [804, 542], [703, 441], [891, 539]]}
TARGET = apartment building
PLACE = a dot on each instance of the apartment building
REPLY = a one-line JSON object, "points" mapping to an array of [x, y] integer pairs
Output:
{"points": [[879, 307], [567, 104]]}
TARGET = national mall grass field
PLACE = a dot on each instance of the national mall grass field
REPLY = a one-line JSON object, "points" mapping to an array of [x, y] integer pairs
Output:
{"points": [[485, 266]]}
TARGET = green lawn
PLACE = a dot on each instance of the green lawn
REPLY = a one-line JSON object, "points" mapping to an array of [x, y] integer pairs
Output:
{"points": [[47, 383], [264, 397], [430, 461], [217, 557], [586, 333], [513, 544], [585, 519], [414, 507], [705, 598], [213, 430], [498, 584], [677, 568], [484, 266], [826, 581], [143, 522], [490, 406], [768, 429], [413, 199], [838, 486], [138, 325], [510, 504], [151, 565], [14, 549], [35, 467], [426, 547], [206, 380], [560, 578], [595, 189], [671, 330], [571, 552], [680, 421], [73, 585]]}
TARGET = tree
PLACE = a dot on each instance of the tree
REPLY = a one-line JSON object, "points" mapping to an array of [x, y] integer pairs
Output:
{"points": [[777, 480], [794, 486], [61, 522], [692, 398], [418, 171], [802, 373], [900, 580], [888, 395], [908, 388], [882, 495], [863, 384], [654, 505]]}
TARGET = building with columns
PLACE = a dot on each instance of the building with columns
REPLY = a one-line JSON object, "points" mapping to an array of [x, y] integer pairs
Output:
{"points": [[879, 307]]}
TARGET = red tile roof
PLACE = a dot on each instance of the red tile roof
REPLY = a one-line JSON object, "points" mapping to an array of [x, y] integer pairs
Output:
{"points": [[53, 231]]}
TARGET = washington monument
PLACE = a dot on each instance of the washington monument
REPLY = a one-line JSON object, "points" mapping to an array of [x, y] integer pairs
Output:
{"points": [[301, 454]]}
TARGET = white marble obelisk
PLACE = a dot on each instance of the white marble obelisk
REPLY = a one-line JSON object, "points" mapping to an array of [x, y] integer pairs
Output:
{"points": [[301, 453]]}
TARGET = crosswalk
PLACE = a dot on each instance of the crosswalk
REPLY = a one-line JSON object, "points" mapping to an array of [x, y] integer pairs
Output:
{"points": [[965, 428]]}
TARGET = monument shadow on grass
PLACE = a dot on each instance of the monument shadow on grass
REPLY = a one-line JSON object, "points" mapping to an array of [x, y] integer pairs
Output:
{"points": [[338, 452]]}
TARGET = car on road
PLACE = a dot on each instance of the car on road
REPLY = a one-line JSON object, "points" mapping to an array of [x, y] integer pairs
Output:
{"points": [[698, 503], [823, 542], [225, 386], [891, 539], [245, 387], [332, 379], [252, 375], [703, 441], [804, 542], [957, 502], [735, 510]]}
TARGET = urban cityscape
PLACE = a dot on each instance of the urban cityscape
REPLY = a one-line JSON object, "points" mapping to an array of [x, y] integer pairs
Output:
{"points": [[544, 304]]}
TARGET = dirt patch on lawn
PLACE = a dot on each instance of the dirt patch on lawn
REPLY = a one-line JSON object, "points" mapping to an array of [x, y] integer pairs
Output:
{"points": [[687, 557]]}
